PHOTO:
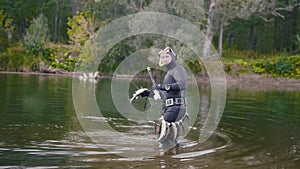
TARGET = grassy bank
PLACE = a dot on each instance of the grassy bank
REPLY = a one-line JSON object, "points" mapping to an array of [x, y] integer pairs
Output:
{"points": [[236, 63], [275, 66], [16, 58]]}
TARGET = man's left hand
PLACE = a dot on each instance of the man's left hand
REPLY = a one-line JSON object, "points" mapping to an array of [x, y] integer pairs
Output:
{"points": [[156, 87]]}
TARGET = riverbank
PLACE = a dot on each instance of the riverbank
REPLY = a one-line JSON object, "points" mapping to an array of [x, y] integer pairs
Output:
{"points": [[246, 81], [256, 82], [262, 82]]}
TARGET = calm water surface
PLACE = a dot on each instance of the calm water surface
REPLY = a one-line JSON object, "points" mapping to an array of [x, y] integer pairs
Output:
{"points": [[40, 129]]}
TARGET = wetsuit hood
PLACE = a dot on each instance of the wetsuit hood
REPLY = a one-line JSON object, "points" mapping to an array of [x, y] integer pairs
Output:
{"points": [[171, 53], [172, 64]]}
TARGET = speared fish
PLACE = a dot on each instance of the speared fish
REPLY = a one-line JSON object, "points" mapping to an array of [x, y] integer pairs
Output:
{"points": [[136, 94]]}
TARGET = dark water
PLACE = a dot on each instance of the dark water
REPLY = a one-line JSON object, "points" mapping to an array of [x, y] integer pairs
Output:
{"points": [[39, 128]]}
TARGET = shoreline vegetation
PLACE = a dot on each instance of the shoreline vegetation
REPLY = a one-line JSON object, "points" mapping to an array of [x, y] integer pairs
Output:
{"points": [[237, 64], [256, 48], [245, 81], [242, 68], [253, 52]]}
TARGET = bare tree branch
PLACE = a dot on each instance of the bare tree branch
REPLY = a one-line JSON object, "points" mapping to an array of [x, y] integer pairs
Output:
{"points": [[136, 5]]}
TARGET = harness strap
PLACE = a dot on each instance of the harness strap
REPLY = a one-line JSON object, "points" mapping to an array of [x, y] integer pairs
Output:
{"points": [[175, 101]]}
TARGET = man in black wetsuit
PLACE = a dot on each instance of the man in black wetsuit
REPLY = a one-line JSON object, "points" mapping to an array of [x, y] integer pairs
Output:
{"points": [[172, 91], [173, 87]]}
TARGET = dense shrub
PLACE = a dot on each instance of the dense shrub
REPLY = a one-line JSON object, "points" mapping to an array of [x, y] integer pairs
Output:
{"points": [[60, 57], [36, 35], [16, 59], [67, 62], [239, 54], [282, 66], [195, 66], [238, 62]]}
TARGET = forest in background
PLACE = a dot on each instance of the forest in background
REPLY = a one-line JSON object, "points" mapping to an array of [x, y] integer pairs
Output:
{"points": [[251, 36]]}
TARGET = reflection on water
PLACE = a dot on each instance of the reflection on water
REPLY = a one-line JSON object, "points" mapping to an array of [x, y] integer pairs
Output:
{"points": [[39, 128]]}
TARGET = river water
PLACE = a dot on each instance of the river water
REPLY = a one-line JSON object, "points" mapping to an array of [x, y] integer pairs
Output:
{"points": [[39, 128]]}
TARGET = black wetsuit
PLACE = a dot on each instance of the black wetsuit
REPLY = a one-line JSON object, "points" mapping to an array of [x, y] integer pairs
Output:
{"points": [[175, 79]]}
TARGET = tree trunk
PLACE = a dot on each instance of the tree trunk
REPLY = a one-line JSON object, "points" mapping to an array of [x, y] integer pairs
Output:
{"points": [[56, 23], [294, 28], [9, 36], [286, 35], [75, 7], [276, 44], [210, 29], [251, 42], [220, 50], [230, 39]]}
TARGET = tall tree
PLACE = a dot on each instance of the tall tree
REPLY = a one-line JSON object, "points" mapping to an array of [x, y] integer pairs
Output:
{"points": [[81, 27], [6, 25], [57, 19], [37, 35], [57, 12], [6, 30], [22, 12], [209, 28], [224, 11]]}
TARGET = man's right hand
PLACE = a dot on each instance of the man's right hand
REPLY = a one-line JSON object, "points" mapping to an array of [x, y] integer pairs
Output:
{"points": [[143, 92]]}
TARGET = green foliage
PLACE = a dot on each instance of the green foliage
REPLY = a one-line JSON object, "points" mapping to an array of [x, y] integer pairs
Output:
{"points": [[297, 42], [240, 54], [57, 12], [258, 68], [3, 43], [60, 57], [81, 26], [195, 66], [238, 62], [277, 66], [15, 59], [66, 63], [240, 9], [149, 42], [107, 10], [283, 66], [236, 66], [36, 35], [87, 55], [115, 56], [5, 28], [22, 12], [280, 35]]}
